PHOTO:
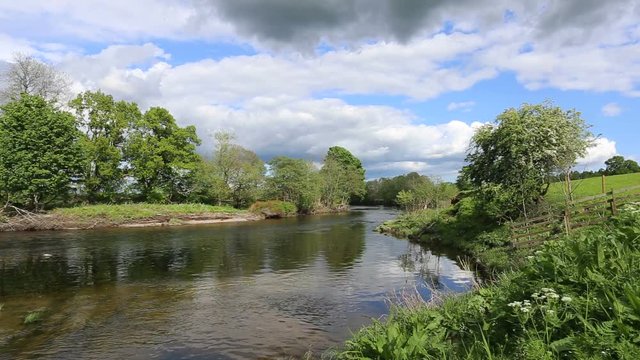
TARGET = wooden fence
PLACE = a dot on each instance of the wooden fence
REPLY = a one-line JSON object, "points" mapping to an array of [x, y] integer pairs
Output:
{"points": [[579, 213]]}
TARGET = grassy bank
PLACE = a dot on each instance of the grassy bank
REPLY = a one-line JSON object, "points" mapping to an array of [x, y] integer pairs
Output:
{"points": [[124, 212], [574, 298], [128, 215], [461, 227]]}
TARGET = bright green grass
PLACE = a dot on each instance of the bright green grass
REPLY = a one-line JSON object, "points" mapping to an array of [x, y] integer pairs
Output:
{"points": [[592, 186], [141, 211]]}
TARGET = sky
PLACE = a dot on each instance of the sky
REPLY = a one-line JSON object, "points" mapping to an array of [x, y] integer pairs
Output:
{"points": [[402, 84]]}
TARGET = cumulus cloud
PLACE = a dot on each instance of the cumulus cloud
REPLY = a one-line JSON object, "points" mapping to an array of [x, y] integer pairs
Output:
{"points": [[596, 155], [283, 100], [387, 140], [464, 106], [611, 109], [304, 22]]}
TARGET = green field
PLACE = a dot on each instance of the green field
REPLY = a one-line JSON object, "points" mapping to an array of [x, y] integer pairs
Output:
{"points": [[592, 186], [141, 211]]}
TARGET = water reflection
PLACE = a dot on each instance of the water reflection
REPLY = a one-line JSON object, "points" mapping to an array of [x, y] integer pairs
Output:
{"points": [[227, 291]]}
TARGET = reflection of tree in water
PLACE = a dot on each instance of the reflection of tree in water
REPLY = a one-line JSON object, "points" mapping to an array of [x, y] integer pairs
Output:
{"points": [[343, 245], [424, 262], [181, 253]]}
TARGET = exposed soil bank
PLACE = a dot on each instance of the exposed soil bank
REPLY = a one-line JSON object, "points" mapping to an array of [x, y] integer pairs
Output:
{"points": [[65, 222]]}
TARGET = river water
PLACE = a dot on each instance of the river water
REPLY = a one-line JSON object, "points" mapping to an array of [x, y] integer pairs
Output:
{"points": [[266, 289]]}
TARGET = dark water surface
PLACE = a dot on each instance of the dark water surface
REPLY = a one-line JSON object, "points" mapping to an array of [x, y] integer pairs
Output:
{"points": [[226, 291]]}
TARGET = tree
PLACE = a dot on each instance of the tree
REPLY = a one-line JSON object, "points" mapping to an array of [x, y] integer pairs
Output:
{"points": [[294, 180], [240, 169], [513, 161], [27, 75], [617, 165], [207, 186], [342, 177], [105, 123], [161, 156], [39, 152]]}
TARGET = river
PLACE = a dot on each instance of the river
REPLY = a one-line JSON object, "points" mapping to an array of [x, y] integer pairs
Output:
{"points": [[265, 289]]}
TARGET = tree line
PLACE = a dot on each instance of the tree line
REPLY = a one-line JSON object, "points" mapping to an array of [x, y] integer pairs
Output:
{"points": [[410, 192], [615, 165], [99, 150]]}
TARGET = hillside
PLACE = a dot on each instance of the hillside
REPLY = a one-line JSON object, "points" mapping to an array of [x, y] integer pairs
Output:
{"points": [[592, 186]]}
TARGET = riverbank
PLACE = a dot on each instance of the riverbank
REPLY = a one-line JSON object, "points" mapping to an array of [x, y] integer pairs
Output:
{"points": [[576, 297], [125, 215], [462, 228]]}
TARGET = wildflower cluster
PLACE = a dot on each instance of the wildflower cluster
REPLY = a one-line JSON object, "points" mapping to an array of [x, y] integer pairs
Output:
{"points": [[546, 303]]}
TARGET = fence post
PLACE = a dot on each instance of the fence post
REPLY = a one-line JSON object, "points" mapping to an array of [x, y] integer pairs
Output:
{"points": [[614, 210], [604, 184]]}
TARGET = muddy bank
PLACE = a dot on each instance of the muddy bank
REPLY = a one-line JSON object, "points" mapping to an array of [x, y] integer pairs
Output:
{"points": [[37, 222]]}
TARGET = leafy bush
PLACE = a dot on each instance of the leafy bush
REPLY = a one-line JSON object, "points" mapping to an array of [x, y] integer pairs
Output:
{"points": [[274, 208]]}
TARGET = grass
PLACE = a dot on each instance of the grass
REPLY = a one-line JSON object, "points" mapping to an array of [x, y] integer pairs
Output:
{"points": [[575, 298], [124, 212], [592, 186]]}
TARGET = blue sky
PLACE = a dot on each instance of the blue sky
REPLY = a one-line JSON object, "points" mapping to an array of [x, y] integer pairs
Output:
{"points": [[401, 83]]}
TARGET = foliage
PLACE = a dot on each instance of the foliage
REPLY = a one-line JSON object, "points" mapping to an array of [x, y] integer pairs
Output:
{"points": [[105, 123], [207, 186], [617, 165], [512, 162], [274, 208], [295, 181], [342, 177], [240, 170], [161, 156], [425, 192], [39, 152], [27, 75], [575, 298]]}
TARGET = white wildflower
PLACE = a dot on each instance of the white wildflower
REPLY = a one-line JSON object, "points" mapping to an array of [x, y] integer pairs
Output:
{"points": [[565, 299]]}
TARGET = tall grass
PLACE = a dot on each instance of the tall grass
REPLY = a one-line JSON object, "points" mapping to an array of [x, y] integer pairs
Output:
{"points": [[575, 298]]}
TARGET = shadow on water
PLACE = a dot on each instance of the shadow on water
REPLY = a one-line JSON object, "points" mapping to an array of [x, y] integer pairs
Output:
{"points": [[248, 290]]}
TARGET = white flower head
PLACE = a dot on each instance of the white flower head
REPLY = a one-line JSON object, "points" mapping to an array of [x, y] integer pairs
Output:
{"points": [[565, 299]]}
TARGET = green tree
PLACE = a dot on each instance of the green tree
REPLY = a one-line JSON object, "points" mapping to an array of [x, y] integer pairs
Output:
{"points": [[618, 165], [162, 156], [513, 161], [295, 181], [207, 186], [240, 169], [39, 152], [105, 123], [342, 177]]}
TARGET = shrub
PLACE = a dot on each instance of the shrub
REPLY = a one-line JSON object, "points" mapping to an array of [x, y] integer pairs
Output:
{"points": [[274, 208]]}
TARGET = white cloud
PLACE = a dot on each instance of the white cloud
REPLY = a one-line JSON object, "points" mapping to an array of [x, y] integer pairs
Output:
{"points": [[601, 150], [464, 106], [385, 139], [283, 102], [611, 109]]}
